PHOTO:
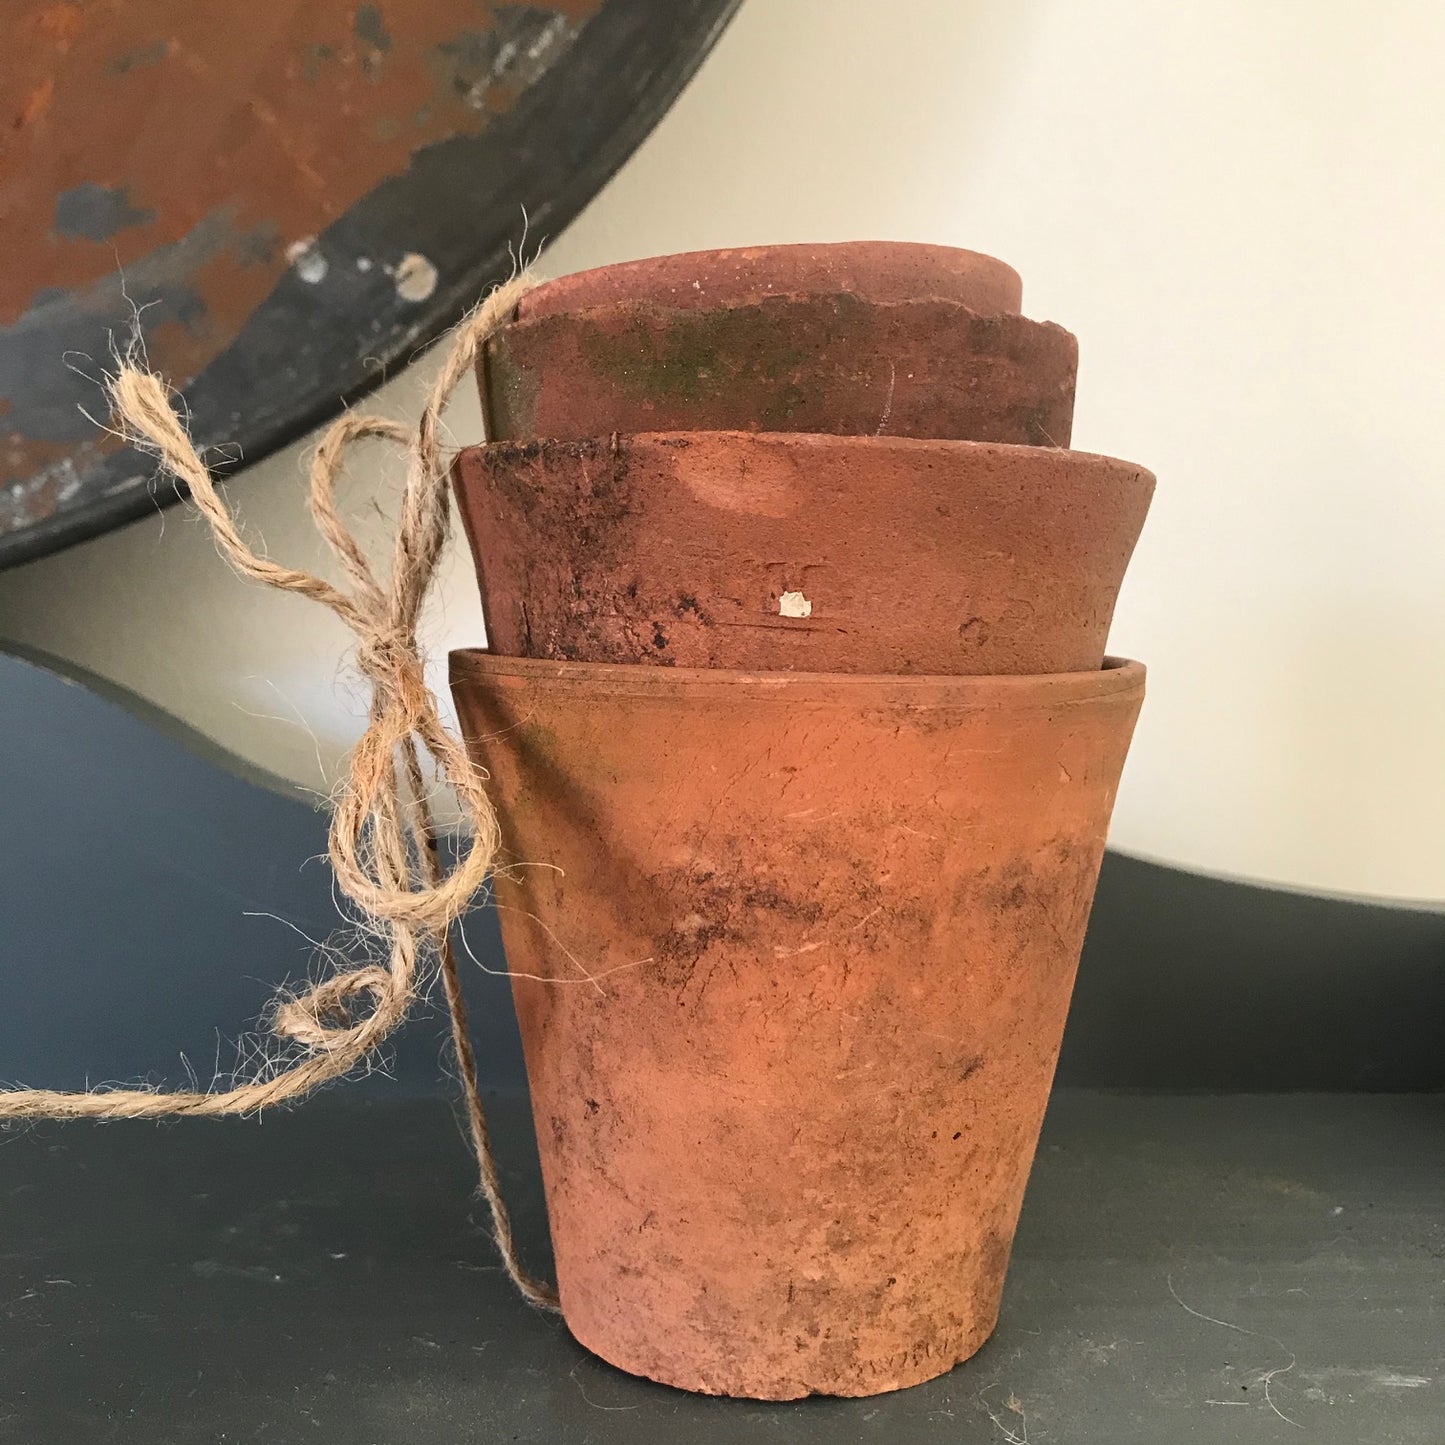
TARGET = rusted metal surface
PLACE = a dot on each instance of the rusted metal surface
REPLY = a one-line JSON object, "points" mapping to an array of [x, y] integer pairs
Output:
{"points": [[284, 199]]}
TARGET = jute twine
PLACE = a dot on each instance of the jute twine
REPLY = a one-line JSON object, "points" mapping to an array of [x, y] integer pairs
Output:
{"points": [[383, 843]]}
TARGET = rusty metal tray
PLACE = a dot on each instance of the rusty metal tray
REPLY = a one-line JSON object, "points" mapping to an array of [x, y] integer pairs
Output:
{"points": [[289, 198]]}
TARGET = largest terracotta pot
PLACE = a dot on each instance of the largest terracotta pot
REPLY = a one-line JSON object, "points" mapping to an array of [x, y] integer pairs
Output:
{"points": [[791, 956]]}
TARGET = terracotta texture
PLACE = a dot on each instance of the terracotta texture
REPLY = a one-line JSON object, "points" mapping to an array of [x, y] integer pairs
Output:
{"points": [[830, 363], [875, 270], [704, 550], [806, 946]]}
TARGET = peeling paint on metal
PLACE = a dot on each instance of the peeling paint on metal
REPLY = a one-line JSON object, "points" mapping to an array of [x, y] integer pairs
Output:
{"points": [[51, 356], [370, 28], [523, 44], [40, 495], [416, 277], [95, 213], [308, 260], [142, 55]]}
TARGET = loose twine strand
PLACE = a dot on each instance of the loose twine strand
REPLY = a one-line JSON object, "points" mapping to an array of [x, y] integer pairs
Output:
{"points": [[383, 843]]}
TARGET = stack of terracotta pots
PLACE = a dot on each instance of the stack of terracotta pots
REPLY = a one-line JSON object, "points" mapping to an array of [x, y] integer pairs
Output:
{"points": [[804, 744]]}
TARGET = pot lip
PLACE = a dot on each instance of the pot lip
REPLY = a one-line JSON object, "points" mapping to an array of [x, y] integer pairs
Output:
{"points": [[672, 441], [627, 307], [636, 279], [1118, 678]]}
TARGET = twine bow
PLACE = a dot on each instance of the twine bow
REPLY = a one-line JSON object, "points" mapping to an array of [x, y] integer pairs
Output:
{"points": [[383, 843]]}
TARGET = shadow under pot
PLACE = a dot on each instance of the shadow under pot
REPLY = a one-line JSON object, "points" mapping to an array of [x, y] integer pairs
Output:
{"points": [[807, 553], [834, 363], [791, 976]]}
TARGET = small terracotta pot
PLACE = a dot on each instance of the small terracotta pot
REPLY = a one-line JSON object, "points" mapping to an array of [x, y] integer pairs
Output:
{"points": [[792, 970], [875, 270], [813, 553], [829, 363]]}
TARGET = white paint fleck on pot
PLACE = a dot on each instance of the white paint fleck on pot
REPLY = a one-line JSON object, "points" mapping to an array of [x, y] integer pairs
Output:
{"points": [[794, 604]]}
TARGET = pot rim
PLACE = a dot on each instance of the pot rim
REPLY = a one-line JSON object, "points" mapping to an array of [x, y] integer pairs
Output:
{"points": [[544, 299], [821, 441], [1118, 678], [625, 305]]}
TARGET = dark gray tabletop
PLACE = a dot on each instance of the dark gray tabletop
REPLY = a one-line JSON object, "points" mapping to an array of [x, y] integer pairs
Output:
{"points": [[1188, 1269]]}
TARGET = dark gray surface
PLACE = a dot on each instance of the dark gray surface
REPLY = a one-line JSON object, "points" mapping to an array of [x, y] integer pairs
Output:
{"points": [[150, 902], [1190, 982], [1188, 1271]]}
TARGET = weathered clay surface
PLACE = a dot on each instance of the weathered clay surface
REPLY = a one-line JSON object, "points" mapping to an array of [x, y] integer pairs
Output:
{"points": [[807, 946], [826, 363], [875, 270], [813, 553]]}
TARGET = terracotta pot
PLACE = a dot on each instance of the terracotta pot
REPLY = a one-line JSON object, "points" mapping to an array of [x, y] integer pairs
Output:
{"points": [[821, 554], [875, 270], [828, 363], [792, 973]]}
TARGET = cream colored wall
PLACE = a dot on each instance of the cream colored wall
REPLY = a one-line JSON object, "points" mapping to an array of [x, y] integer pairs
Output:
{"points": [[1238, 206]]}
